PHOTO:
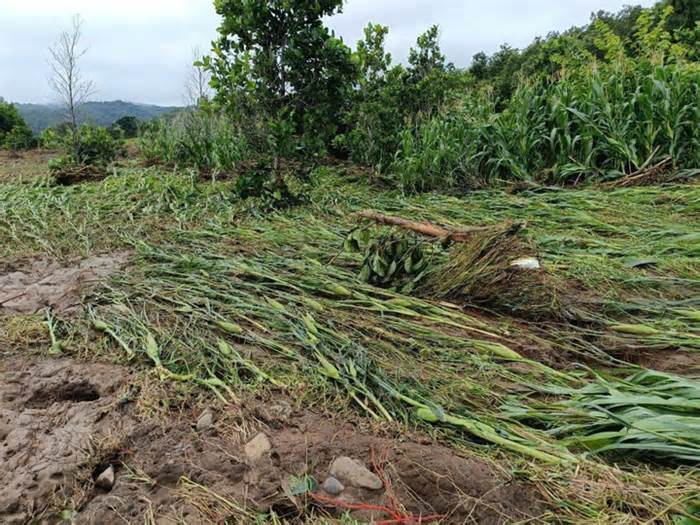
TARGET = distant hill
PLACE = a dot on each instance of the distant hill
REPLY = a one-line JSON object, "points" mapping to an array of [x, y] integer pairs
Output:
{"points": [[42, 116]]}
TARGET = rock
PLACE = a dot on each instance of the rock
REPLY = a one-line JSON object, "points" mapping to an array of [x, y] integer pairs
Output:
{"points": [[106, 479], [258, 447], [332, 486], [355, 473], [205, 421]]}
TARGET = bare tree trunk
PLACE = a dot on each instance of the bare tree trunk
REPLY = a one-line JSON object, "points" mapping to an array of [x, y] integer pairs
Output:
{"points": [[197, 83], [67, 81]]}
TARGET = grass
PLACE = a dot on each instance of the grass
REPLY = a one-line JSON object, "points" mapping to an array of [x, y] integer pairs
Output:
{"points": [[227, 298]]}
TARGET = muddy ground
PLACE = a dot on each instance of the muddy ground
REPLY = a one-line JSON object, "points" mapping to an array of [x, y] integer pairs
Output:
{"points": [[65, 424], [31, 286]]}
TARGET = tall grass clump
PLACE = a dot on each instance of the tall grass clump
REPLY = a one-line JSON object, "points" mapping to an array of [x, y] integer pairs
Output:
{"points": [[195, 139]]}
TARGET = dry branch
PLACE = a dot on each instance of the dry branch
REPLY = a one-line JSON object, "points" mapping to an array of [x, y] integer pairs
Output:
{"points": [[647, 174], [426, 228]]}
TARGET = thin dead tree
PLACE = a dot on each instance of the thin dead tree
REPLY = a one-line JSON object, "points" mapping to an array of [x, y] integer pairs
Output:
{"points": [[197, 87], [67, 81]]}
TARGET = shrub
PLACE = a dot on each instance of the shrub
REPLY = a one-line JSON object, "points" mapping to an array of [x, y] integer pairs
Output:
{"points": [[271, 187], [19, 138], [96, 146], [208, 143], [389, 97], [128, 127], [91, 147], [52, 138]]}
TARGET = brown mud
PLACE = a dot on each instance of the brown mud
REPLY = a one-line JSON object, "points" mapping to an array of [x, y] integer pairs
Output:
{"points": [[40, 283], [63, 423]]}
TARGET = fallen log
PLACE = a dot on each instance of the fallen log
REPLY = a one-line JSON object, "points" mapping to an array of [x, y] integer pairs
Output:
{"points": [[429, 229]]}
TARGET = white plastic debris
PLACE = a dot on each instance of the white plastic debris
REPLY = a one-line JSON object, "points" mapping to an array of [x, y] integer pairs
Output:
{"points": [[527, 263]]}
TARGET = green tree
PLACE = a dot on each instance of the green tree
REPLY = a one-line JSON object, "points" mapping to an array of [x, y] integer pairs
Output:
{"points": [[129, 126], [277, 60], [686, 14], [430, 79], [373, 60], [14, 132], [427, 56], [377, 112], [387, 98]]}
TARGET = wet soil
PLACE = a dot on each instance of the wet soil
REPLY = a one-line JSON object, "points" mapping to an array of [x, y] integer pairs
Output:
{"points": [[62, 423], [52, 413], [32, 286]]}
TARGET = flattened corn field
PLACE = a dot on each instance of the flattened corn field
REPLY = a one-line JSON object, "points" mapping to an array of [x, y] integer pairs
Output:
{"points": [[224, 303]]}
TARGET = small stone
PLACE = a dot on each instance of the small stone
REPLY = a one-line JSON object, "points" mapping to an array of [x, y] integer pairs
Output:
{"points": [[355, 473], [106, 479], [332, 486], [205, 421], [258, 447]]}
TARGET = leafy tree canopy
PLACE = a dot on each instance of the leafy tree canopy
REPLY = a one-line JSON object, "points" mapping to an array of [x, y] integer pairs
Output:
{"points": [[14, 132], [129, 126], [277, 56]]}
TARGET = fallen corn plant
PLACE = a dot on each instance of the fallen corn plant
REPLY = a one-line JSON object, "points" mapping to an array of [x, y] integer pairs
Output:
{"points": [[649, 414]]}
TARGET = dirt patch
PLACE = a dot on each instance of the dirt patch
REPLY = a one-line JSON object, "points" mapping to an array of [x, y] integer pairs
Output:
{"points": [[25, 164], [55, 413], [44, 283], [75, 174], [667, 360], [185, 475], [74, 392], [51, 412]]}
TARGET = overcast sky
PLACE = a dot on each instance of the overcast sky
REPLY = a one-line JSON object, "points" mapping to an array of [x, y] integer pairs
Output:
{"points": [[139, 49]]}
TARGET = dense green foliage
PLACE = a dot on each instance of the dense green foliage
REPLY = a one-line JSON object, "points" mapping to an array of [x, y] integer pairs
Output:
{"points": [[277, 60], [211, 144], [387, 97], [14, 132], [127, 126], [599, 125], [96, 145], [611, 107], [93, 146]]}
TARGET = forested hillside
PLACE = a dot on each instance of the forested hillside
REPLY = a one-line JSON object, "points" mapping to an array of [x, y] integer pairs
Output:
{"points": [[42, 116]]}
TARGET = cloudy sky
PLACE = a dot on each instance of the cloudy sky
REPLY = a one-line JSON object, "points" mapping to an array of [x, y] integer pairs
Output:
{"points": [[139, 49]]}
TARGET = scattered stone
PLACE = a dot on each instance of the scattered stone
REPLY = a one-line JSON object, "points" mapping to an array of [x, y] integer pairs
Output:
{"points": [[205, 421], [332, 486], [258, 447], [106, 479], [355, 473]]}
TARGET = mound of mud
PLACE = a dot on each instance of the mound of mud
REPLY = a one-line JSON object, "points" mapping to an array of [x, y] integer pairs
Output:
{"points": [[247, 460], [43, 283]]}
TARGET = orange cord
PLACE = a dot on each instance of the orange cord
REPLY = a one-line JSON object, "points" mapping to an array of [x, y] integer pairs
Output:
{"points": [[394, 511]]}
